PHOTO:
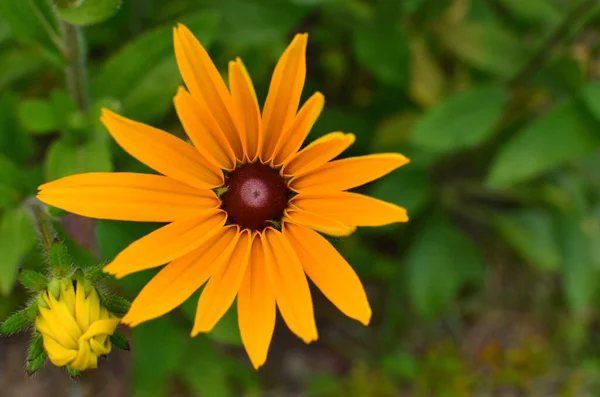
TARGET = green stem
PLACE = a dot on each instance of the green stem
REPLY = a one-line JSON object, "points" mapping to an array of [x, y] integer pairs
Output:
{"points": [[42, 221], [75, 71]]}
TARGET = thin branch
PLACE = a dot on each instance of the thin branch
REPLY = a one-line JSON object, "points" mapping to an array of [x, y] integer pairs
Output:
{"points": [[545, 50]]}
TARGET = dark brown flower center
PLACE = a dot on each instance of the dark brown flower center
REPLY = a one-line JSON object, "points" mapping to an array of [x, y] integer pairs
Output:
{"points": [[255, 194]]}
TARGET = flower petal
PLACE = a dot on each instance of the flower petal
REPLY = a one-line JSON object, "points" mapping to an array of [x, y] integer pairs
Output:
{"points": [[292, 139], [223, 286], [318, 222], [167, 243], [290, 286], [205, 83], [162, 151], [330, 272], [284, 94], [204, 131], [256, 306], [351, 208], [348, 173], [127, 197], [177, 281], [246, 106], [318, 153], [58, 354]]}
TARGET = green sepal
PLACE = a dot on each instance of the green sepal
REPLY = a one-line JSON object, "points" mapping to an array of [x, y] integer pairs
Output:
{"points": [[33, 280], [95, 273], [56, 212], [59, 259], [19, 321], [31, 367], [120, 340], [36, 356], [73, 373], [116, 305]]}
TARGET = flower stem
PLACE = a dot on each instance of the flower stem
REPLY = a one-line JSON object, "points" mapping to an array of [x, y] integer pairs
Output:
{"points": [[75, 70], [42, 220]]}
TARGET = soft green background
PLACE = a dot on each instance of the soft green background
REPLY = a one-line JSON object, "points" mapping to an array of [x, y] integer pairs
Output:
{"points": [[492, 287]]}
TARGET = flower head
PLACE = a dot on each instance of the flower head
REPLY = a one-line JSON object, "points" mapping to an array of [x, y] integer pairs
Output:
{"points": [[244, 203], [74, 325]]}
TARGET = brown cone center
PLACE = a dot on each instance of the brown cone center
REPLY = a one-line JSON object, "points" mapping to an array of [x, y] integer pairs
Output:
{"points": [[256, 193]]}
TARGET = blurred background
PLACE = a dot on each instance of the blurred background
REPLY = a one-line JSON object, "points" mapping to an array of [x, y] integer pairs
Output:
{"points": [[490, 290]]}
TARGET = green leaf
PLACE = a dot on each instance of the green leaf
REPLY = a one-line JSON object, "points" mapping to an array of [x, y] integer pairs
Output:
{"points": [[87, 12], [11, 184], [408, 187], [539, 11], [205, 371], [383, 49], [144, 74], [252, 22], [532, 234], [19, 321], [30, 21], [441, 260], [591, 97], [16, 145], [581, 266], [461, 121], [18, 63], [158, 341], [64, 159], [37, 116], [32, 280], [17, 237], [487, 47], [562, 134], [426, 75]]}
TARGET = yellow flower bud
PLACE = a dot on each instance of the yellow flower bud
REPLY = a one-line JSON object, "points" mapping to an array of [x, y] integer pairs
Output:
{"points": [[75, 327]]}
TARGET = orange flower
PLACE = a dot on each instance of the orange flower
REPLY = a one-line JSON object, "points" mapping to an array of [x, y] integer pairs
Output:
{"points": [[244, 202]]}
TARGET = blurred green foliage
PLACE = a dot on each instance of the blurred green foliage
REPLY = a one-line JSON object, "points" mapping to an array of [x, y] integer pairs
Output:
{"points": [[494, 283]]}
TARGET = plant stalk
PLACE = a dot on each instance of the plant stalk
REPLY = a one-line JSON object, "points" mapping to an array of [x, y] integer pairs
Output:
{"points": [[76, 65]]}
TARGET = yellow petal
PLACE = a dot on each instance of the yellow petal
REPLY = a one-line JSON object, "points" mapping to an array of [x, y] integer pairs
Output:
{"points": [[290, 286], [256, 306], [284, 94], [292, 139], [223, 286], [246, 106], [127, 196], [57, 353], [330, 272], [82, 309], [318, 153], [351, 208], [162, 151], [204, 131], [348, 173], [205, 84], [99, 327], [318, 222], [167, 243], [85, 359], [59, 324], [181, 278]]}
